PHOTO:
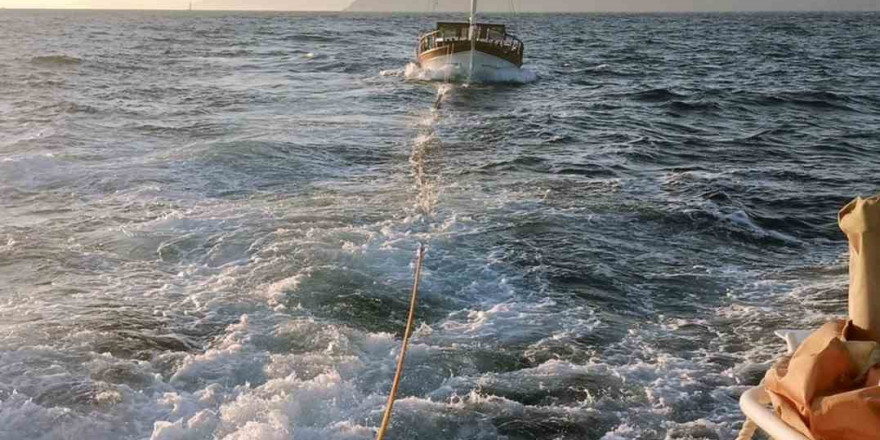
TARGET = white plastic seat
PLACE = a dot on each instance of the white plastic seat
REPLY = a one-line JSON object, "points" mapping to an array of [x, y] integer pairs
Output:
{"points": [[755, 403]]}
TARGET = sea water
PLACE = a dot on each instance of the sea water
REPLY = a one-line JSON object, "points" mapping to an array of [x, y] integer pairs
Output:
{"points": [[209, 222]]}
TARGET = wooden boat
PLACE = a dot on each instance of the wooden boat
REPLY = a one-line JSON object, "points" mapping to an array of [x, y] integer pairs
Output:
{"points": [[471, 50]]}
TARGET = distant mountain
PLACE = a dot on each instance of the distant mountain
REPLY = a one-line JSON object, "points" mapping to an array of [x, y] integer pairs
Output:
{"points": [[614, 5], [426, 5]]}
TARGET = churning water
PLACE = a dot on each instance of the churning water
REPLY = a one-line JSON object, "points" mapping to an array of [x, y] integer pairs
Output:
{"points": [[209, 222]]}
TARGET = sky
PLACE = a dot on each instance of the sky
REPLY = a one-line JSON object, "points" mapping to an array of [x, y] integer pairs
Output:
{"points": [[278, 5], [487, 5]]}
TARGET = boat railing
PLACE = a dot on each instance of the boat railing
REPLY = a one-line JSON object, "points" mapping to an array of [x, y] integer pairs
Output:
{"points": [[436, 39]]}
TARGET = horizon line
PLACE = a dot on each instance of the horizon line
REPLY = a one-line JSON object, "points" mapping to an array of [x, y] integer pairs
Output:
{"points": [[347, 11]]}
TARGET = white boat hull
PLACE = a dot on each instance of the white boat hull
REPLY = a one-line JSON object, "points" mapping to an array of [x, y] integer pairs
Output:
{"points": [[457, 65]]}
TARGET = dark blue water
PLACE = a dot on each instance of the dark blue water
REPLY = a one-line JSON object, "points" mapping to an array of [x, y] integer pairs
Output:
{"points": [[209, 221]]}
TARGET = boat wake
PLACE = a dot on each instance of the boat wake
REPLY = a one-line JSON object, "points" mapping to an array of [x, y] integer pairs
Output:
{"points": [[424, 147], [442, 93], [413, 72]]}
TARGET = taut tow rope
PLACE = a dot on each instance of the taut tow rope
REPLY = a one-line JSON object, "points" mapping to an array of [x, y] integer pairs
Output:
{"points": [[386, 419]]}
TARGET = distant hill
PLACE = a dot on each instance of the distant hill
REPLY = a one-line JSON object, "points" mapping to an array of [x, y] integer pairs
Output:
{"points": [[614, 5], [425, 6]]}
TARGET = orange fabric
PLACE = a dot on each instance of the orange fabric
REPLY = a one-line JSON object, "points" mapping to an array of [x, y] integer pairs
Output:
{"points": [[820, 366], [830, 387], [860, 221], [853, 415]]}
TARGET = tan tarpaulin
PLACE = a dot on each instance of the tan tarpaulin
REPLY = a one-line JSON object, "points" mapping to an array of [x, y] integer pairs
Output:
{"points": [[860, 220], [830, 387]]}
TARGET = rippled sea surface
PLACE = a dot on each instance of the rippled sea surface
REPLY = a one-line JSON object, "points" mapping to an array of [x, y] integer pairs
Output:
{"points": [[209, 222]]}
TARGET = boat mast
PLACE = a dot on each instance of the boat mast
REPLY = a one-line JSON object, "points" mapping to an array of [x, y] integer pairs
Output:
{"points": [[473, 13], [473, 38]]}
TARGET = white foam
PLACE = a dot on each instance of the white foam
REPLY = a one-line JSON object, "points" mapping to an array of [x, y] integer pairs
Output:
{"points": [[392, 72], [450, 73], [199, 426], [622, 432], [541, 323], [443, 91], [276, 291], [427, 184], [261, 431], [300, 375], [232, 357]]}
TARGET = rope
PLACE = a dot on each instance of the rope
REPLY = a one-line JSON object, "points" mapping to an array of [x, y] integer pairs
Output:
{"points": [[749, 427], [748, 430], [386, 418], [517, 19], [447, 73]]}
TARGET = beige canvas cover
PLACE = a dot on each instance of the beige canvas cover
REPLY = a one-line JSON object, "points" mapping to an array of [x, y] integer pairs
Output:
{"points": [[860, 220], [829, 389]]}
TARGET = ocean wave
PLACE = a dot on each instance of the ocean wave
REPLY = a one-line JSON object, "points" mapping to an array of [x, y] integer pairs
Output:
{"points": [[693, 106], [231, 53], [56, 60], [724, 203], [600, 70], [334, 66], [655, 95], [812, 99], [311, 38], [534, 163], [733, 223], [378, 33], [68, 107], [170, 40]]}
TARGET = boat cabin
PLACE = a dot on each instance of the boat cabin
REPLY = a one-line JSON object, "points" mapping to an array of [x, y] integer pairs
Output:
{"points": [[460, 30], [453, 37]]}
